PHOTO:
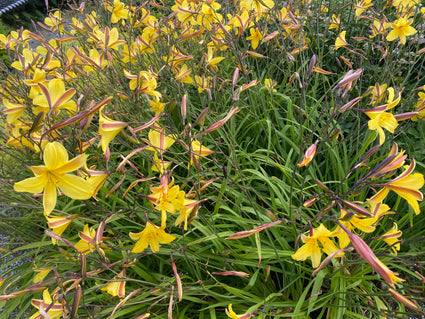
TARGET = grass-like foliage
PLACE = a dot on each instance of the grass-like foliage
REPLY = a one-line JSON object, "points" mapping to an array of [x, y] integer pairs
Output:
{"points": [[212, 159]]}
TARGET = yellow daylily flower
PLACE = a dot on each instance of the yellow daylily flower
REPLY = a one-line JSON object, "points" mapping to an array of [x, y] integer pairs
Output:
{"points": [[364, 224], [151, 236], [13, 111], [59, 224], [380, 119], [185, 212], [53, 176], [108, 39], [200, 150], [116, 288], [362, 5], [41, 273], [119, 11], [54, 97], [95, 61], [183, 74], [87, 241], [340, 41], [255, 37], [213, 61], [335, 22], [231, 314], [159, 166], [391, 238], [406, 185], [160, 141], [166, 198], [311, 246], [401, 29], [156, 105], [55, 309], [55, 21], [108, 129]]}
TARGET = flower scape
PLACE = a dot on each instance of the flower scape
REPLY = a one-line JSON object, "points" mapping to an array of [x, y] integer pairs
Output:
{"points": [[211, 159]]}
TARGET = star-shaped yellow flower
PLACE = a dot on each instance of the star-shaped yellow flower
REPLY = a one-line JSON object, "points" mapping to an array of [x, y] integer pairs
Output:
{"points": [[401, 29], [53, 176], [151, 236]]}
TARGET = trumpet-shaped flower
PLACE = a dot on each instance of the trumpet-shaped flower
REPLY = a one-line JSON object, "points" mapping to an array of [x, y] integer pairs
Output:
{"points": [[406, 185], [13, 111], [255, 37], [231, 314], [55, 21], [166, 198], [380, 119], [108, 39], [351, 222], [335, 22], [362, 6], [59, 224], [116, 287], [159, 166], [378, 27], [199, 150], [160, 141], [143, 82], [87, 241], [156, 105], [41, 273], [55, 308], [185, 212], [119, 11], [311, 246], [309, 154], [401, 29], [108, 129], [340, 41], [54, 97], [391, 238], [151, 236], [53, 176]]}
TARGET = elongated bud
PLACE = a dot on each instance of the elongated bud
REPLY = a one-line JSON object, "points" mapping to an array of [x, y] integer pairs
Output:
{"points": [[246, 233], [321, 185], [357, 208], [368, 154], [309, 154], [270, 36], [311, 65], [76, 301], [235, 78], [178, 281], [37, 121], [310, 202], [219, 123], [405, 116], [83, 267], [183, 108], [368, 255], [402, 299], [201, 118], [349, 104], [231, 273]]}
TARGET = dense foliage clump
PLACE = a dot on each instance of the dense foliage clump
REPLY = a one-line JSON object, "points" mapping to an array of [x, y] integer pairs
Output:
{"points": [[201, 159]]}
